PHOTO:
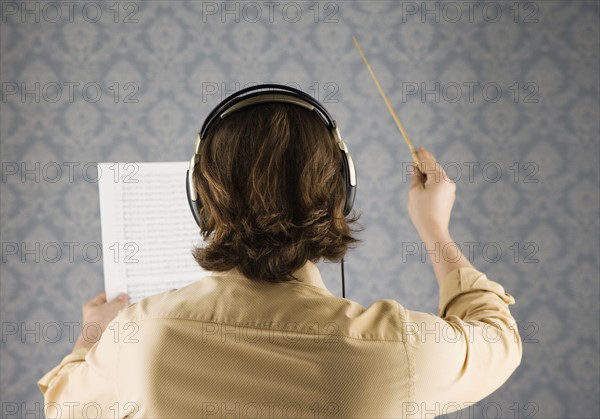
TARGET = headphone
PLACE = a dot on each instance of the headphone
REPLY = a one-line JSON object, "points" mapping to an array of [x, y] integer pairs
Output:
{"points": [[269, 93]]}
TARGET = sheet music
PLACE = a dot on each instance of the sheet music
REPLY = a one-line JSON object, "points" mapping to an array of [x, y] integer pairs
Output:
{"points": [[148, 230]]}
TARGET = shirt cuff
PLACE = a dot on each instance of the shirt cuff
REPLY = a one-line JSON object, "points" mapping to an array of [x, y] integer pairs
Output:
{"points": [[464, 280], [75, 356]]}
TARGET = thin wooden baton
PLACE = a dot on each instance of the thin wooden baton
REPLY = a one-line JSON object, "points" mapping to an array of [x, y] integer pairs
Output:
{"points": [[413, 151]]}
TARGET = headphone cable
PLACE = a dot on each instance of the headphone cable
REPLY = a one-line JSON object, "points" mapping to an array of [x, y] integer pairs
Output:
{"points": [[343, 280]]}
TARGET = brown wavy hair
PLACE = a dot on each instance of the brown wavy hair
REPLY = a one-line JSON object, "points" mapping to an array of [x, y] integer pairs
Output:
{"points": [[270, 182]]}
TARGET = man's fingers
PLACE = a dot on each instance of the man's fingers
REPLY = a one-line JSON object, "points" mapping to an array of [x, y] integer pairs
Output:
{"points": [[416, 177], [120, 300], [433, 170], [427, 159], [98, 299], [428, 165]]}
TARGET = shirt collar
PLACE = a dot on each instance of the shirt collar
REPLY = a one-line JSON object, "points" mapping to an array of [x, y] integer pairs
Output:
{"points": [[307, 274]]}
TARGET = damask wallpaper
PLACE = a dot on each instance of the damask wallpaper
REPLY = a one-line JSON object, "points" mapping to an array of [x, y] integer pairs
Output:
{"points": [[504, 93]]}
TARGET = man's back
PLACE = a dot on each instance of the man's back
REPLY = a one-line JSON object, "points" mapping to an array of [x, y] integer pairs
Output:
{"points": [[229, 346]]}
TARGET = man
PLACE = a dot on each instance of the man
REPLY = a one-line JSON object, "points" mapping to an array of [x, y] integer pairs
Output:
{"points": [[262, 336]]}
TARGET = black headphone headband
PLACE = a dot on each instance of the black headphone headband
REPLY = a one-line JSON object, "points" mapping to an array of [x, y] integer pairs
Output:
{"points": [[268, 93], [261, 94]]}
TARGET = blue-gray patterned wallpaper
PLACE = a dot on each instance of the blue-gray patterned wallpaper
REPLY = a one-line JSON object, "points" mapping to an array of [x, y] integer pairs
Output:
{"points": [[504, 93]]}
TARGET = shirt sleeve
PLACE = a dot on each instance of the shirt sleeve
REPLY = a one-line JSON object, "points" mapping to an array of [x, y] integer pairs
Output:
{"points": [[468, 351], [84, 383]]}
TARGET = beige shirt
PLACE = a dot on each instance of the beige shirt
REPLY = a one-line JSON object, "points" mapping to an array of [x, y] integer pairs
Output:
{"points": [[225, 346]]}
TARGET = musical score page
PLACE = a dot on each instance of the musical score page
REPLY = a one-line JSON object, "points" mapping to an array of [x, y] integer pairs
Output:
{"points": [[148, 231]]}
